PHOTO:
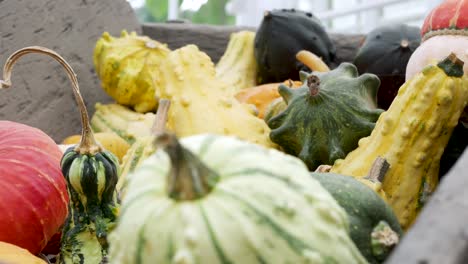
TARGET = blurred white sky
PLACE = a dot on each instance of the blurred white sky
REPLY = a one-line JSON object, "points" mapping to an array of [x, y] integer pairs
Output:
{"points": [[337, 15]]}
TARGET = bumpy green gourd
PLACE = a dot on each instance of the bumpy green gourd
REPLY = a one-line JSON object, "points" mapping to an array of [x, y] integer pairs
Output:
{"points": [[128, 68], [216, 199], [122, 121], [327, 116]]}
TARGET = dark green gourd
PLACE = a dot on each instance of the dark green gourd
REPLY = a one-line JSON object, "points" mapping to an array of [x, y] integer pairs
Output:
{"points": [[325, 118], [385, 53], [281, 35], [374, 227], [91, 174]]}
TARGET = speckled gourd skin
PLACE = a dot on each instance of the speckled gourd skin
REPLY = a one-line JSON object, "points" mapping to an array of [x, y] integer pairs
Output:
{"points": [[264, 208], [324, 127], [238, 67], [412, 136], [128, 68], [199, 103]]}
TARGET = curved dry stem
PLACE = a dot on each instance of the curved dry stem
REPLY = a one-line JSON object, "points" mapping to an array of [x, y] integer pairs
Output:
{"points": [[87, 145], [312, 61], [159, 125]]}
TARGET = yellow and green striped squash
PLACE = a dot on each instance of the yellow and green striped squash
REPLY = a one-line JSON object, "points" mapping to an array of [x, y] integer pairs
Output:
{"points": [[218, 199], [128, 68]]}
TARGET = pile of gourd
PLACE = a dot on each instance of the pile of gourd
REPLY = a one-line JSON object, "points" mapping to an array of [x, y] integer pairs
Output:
{"points": [[267, 156]]}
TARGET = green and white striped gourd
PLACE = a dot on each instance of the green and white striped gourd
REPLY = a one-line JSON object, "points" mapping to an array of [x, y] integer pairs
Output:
{"points": [[91, 174], [122, 121], [218, 199], [143, 146]]}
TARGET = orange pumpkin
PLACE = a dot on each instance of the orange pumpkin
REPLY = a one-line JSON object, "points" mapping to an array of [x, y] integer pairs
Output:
{"points": [[261, 96]]}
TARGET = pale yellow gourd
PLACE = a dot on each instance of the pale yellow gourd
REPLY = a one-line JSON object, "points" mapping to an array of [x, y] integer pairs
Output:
{"points": [[237, 67], [412, 136], [12, 254], [199, 103]]}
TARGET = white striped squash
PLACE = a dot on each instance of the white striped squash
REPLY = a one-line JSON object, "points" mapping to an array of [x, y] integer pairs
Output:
{"points": [[232, 202]]}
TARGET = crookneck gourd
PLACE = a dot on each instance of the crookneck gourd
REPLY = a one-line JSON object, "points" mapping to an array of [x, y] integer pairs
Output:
{"points": [[199, 103], [128, 68], [374, 227], [411, 135], [217, 199], [325, 118], [91, 174], [237, 67], [122, 121], [143, 146]]}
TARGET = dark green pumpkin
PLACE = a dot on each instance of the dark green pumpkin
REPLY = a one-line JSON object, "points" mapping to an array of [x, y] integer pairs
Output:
{"points": [[385, 53], [367, 212], [280, 36], [324, 121]]}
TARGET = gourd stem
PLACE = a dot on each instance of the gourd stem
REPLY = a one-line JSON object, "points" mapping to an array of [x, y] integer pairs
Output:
{"points": [[88, 144], [312, 61], [313, 82], [452, 66], [159, 125], [189, 178], [404, 44], [378, 170]]}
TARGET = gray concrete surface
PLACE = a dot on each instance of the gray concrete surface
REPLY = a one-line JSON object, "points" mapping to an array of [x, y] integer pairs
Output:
{"points": [[41, 95]]}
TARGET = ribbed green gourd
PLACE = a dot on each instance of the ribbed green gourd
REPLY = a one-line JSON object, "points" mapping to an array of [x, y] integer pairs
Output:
{"points": [[374, 227], [122, 121], [217, 199], [91, 174], [325, 118]]}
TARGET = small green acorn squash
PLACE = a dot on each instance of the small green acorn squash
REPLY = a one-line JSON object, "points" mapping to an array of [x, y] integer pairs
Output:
{"points": [[325, 118], [374, 227]]}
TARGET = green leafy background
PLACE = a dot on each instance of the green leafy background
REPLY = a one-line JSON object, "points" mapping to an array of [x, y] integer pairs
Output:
{"points": [[213, 12]]}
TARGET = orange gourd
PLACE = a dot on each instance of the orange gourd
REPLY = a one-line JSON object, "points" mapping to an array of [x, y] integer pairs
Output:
{"points": [[262, 95]]}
